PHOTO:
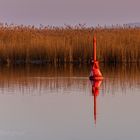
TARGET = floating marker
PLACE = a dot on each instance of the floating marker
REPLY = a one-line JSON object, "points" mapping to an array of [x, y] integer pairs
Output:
{"points": [[95, 71], [95, 77]]}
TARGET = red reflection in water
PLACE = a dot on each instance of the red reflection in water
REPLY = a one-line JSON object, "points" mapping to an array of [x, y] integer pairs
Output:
{"points": [[95, 92]]}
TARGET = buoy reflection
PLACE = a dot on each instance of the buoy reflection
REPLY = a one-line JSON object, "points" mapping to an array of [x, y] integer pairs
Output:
{"points": [[95, 92]]}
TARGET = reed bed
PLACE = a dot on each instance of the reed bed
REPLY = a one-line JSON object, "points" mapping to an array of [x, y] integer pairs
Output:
{"points": [[28, 44]]}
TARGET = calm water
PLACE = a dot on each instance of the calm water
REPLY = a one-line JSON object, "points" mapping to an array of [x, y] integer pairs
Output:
{"points": [[58, 104]]}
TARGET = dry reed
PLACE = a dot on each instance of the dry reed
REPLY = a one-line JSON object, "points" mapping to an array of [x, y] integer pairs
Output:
{"points": [[28, 44]]}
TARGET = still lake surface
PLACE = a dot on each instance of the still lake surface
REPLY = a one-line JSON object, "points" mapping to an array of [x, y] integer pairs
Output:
{"points": [[57, 103]]}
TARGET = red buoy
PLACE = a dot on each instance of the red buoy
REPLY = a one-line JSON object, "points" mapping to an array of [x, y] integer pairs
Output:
{"points": [[95, 77], [95, 71]]}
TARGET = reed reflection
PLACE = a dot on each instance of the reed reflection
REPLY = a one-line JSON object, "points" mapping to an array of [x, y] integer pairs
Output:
{"points": [[37, 80], [65, 79]]}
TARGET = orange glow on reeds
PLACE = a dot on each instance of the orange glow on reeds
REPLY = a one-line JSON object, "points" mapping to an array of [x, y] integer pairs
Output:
{"points": [[68, 44]]}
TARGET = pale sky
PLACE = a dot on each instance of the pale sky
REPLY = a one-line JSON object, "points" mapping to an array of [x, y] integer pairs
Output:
{"points": [[60, 12]]}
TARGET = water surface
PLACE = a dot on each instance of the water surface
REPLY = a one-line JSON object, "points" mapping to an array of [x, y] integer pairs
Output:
{"points": [[57, 103]]}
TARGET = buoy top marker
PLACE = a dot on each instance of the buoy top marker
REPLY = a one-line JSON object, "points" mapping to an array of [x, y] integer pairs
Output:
{"points": [[94, 48]]}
